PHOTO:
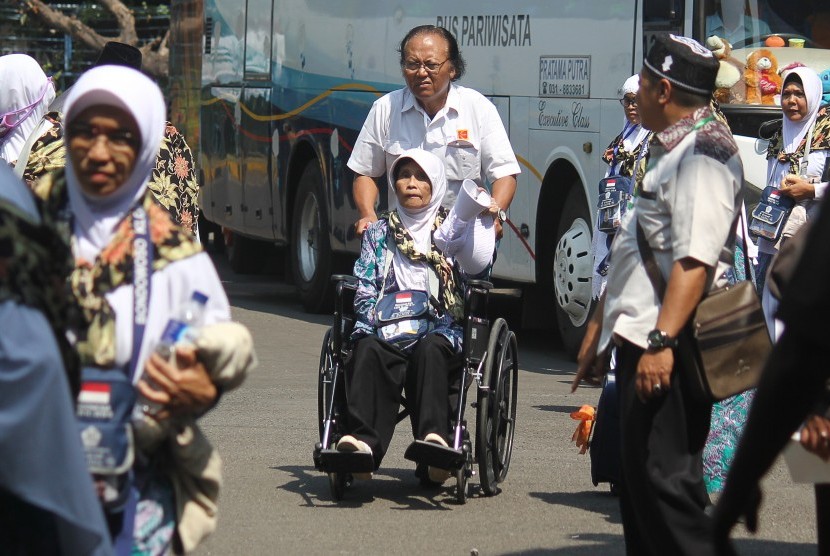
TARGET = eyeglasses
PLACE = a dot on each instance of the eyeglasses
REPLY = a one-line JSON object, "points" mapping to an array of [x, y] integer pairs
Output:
{"points": [[626, 102], [431, 67], [86, 136]]}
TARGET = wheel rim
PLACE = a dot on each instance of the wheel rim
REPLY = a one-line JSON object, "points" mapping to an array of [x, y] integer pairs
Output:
{"points": [[308, 238], [572, 271], [506, 397], [325, 385]]}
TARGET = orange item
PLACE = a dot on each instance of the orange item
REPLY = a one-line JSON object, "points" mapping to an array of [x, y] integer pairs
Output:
{"points": [[585, 416], [462, 134], [774, 41]]}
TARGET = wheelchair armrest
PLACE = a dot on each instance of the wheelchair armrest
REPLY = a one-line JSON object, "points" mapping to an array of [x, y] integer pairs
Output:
{"points": [[483, 284], [348, 279]]}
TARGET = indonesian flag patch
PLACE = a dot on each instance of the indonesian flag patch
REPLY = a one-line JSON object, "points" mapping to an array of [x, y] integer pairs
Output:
{"points": [[401, 298], [95, 393]]}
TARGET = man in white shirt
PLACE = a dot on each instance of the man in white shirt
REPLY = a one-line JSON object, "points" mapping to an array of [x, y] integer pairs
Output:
{"points": [[457, 124], [686, 207]]}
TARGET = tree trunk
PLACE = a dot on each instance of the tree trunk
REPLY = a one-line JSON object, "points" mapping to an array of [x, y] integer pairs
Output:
{"points": [[155, 54]]}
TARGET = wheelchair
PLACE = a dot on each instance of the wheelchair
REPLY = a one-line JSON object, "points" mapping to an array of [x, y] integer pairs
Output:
{"points": [[490, 361]]}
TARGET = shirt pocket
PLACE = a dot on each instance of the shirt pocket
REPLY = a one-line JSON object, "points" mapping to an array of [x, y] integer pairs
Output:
{"points": [[463, 160]]}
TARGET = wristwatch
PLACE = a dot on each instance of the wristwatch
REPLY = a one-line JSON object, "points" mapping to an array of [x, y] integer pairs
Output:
{"points": [[501, 215], [657, 339]]}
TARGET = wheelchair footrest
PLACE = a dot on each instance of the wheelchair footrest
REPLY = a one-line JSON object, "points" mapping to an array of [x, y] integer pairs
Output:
{"points": [[435, 455], [332, 461]]}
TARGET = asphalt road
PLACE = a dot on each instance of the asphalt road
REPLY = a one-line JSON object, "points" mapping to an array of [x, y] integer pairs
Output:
{"points": [[275, 502]]}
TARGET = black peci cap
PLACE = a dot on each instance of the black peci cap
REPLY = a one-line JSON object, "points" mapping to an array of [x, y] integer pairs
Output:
{"points": [[119, 54], [686, 63]]}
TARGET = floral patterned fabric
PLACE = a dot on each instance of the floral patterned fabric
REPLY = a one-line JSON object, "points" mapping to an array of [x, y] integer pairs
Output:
{"points": [[450, 301], [821, 142], [173, 181], [90, 281], [728, 416], [369, 271]]}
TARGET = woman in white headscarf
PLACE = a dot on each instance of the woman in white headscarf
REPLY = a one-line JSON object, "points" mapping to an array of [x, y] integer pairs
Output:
{"points": [[25, 94], [399, 258], [626, 154], [115, 118], [804, 178]]}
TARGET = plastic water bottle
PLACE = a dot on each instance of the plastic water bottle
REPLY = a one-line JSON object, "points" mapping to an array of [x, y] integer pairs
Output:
{"points": [[181, 329]]}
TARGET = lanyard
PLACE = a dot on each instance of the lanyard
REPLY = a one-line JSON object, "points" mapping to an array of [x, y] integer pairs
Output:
{"points": [[142, 274]]}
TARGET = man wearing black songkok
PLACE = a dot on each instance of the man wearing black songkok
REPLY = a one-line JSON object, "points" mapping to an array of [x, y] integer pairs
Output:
{"points": [[686, 206]]}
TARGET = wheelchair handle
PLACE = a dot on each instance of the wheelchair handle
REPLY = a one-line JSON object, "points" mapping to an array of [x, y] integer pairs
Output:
{"points": [[483, 284]]}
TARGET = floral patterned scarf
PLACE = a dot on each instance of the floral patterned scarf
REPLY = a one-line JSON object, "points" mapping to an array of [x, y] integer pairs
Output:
{"points": [[450, 297], [91, 281], [820, 142]]}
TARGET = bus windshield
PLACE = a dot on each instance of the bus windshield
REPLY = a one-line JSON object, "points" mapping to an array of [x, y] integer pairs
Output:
{"points": [[757, 40]]}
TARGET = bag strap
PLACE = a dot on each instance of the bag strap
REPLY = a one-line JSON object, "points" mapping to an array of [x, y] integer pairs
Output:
{"points": [[142, 282]]}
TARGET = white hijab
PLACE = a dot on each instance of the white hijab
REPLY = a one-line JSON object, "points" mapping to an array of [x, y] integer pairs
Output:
{"points": [[794, 132], [22, 82], [96, 217], [408, 273], [635, 136]]}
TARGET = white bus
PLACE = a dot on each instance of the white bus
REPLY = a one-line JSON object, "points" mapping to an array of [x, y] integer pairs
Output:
{"points": [[284, 87]]}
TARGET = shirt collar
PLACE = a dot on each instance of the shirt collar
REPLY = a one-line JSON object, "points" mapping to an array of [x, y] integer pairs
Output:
{"points": [[672, 135], [411, 103]]}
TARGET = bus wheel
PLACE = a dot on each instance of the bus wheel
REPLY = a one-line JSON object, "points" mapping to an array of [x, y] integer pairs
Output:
{"points": [[572, 270], [311, 256]]}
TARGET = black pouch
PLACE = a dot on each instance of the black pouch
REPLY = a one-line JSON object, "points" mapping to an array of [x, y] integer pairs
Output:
{"points": [[770, 216], [614, 193], [104, 415], [403, 317]]}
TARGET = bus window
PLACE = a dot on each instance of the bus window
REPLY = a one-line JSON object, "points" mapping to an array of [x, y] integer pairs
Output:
{"points": [[258, 40], [660, 16]]}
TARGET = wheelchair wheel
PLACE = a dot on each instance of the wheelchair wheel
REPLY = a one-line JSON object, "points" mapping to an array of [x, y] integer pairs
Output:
{"points": [[461, 486], [338, 483], [496, 417], [325, 386]]}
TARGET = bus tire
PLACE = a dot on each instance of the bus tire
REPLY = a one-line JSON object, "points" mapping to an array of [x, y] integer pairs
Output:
{"points": [[311, 255], [572, 271]]}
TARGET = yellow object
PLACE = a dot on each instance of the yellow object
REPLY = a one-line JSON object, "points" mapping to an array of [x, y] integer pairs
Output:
{"points": [[585, 416], [796, 43]]}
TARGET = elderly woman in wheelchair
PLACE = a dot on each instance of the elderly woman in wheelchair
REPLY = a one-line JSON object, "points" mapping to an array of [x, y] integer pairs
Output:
{"points": [[412, 304]]}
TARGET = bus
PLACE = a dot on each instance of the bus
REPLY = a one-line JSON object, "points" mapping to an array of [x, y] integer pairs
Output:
{"points": [[277, 91]]}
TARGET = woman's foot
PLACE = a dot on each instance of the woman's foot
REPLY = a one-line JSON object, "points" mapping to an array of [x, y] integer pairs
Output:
{"points": [[436, 474], [351, 444]]}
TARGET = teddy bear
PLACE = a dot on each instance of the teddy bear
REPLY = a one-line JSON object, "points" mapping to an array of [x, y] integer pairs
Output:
{"points": [[761, 77], [729, 87], [825, 85]]}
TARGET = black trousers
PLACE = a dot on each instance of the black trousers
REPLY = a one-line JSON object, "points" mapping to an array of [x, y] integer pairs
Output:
{"points": [[376, 374], [662, 494]]}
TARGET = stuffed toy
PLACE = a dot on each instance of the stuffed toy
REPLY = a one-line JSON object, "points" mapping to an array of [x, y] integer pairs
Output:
{"points": [[825, 85], [761, 77], [729, 87]]}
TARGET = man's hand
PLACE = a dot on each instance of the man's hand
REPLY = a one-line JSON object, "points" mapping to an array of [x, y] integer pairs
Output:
{"points": [[587, 362], [815, 436], [183, 388], [365, 194], [654, 374], [361, 225]]}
